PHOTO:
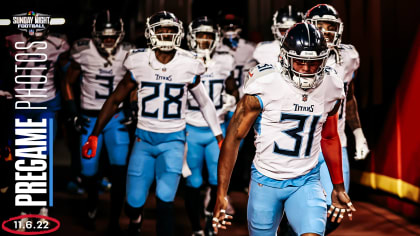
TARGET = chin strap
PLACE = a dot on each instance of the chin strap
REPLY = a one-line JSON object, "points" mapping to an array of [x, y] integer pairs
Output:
{"points": [[338, 57]]}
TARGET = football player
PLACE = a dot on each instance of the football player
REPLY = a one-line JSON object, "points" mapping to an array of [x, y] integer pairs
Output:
{"points": [[100, 62], [203, 37], [240, 48], [268, 52], [38, 74], [294, 114], [163, 76], [344, 59]]}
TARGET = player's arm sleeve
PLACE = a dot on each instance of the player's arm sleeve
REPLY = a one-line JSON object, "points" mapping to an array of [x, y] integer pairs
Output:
{"points": [[331, 146], [206, 107]]}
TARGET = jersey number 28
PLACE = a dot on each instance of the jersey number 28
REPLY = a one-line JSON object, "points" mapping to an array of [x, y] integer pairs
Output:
{"points": [[170, 99]]}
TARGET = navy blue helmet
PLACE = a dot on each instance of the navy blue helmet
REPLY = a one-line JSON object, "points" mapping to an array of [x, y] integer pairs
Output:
{"points": [[321, 14], [283, 19], [305, 44]]}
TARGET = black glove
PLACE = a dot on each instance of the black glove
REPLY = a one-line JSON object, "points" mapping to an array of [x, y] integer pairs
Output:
{"points": [[78, 122], [130, 114]]}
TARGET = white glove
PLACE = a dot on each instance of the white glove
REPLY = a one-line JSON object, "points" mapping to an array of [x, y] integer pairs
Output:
{"points": [[362, 149], [229, 102]]}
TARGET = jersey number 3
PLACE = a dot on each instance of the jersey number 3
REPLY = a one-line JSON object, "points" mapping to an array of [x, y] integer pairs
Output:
{"points": [[294, 133]]}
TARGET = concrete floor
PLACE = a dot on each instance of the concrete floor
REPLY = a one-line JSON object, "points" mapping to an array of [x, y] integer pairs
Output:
{"points": [[369, 220]]}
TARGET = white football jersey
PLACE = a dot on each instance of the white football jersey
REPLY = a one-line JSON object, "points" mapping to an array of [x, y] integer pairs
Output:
{"points": [[345, 70], [54, 47], [267, 52], [162, 88], [242, 55], [99, 78], [218, 70], [288, 129]]}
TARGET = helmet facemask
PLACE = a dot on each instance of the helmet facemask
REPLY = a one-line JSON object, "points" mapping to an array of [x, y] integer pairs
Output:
{"points": [[231, 34], [280, 29], [283, 19], [108, 38], [203, 40], [312, 75], [165, 35], [331, 27]]}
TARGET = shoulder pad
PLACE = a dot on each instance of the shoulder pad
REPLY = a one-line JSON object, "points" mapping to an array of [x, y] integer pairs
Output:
{"points": [[330, 71], [264, 42], [133, 51], [127, 46], [346, 46], [187, 53], [222, 52], [80, 45], [58, 35], [259, 71], [250, 43], [82, 42]]}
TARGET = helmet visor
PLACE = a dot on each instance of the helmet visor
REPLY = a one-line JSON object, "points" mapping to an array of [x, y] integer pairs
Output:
{"points": [[307, 67]]}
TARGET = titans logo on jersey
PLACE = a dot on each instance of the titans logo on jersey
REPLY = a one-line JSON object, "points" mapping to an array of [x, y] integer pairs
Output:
{"points": [[45, 68], [350, 62], [162, 89], [99, 78], [218, 70], [288, 130]]}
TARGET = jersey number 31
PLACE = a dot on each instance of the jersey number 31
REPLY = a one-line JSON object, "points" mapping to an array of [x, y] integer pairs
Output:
{"points": [[294, 133]]}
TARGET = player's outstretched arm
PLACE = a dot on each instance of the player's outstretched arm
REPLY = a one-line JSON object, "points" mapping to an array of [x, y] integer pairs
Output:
{"points": [[331, 149], [244, 117], [108, 110], [353, 120], [207, 108]]}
